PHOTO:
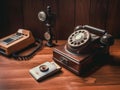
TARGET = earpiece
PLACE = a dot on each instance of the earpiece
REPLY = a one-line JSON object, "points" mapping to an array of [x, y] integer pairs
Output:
{"points": [[107, 39]]}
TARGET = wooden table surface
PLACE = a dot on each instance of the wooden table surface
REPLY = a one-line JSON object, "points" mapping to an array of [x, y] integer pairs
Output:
{"points": [[14, 75]]}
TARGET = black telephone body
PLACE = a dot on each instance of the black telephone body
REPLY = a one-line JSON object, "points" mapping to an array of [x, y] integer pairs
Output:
{"points": [[82, 47]]}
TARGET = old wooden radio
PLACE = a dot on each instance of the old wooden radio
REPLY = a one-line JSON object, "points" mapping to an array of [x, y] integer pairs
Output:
{"points": [[84, 45], [15, 42]]}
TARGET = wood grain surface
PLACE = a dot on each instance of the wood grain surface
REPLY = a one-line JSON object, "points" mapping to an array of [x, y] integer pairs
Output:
{"points": [[14, 75]]}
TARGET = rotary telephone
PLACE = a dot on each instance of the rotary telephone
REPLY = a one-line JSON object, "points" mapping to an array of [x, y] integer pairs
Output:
{"points": [[87, 39], [84, 46], [15, 44]]}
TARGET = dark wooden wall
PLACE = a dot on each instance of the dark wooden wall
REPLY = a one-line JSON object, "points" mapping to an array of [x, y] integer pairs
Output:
{"points": [[103, 14]]}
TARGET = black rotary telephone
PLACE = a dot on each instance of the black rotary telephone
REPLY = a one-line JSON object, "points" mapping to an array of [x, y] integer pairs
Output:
{"points": [[87, 38], [84, 47]]}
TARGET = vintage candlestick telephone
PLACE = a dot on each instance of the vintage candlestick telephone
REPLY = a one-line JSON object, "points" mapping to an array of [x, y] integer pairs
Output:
{"points": [[84, 45], [49, 18]]}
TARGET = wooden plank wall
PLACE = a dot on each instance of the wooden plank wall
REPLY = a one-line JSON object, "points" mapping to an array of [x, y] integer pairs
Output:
{"points": [[16, 14], [11, 16], [98, 13], [113, 18]]}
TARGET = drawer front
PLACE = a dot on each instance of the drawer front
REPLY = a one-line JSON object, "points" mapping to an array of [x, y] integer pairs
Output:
{"points": [[66, 62]]}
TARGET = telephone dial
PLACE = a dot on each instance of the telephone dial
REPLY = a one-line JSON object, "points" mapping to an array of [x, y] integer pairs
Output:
{"points": [[83, 45]]}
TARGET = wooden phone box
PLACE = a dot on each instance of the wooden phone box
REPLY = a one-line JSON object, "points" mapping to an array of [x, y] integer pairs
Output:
{"points": [[84, 45], [15, 42]]}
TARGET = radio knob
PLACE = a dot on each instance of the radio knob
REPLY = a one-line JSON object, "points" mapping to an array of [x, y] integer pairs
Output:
{"points": [[44, 68]]}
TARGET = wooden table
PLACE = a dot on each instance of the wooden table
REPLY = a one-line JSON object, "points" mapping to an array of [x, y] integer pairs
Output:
{"points": [[14, 75]]}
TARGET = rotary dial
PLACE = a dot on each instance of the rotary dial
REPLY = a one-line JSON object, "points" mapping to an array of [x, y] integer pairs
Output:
{"points": [[78, 38]]}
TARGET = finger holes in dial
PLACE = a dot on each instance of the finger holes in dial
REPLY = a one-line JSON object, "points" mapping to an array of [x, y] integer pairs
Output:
{"points": [[78, 43], [85, 38], [76, 32], [82, 41], [75, 43], [73, 34], [79, 31], [71, 42]]}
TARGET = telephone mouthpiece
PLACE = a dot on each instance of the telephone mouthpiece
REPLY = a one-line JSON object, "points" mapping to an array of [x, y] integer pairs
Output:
{"points": [[107, 39]]}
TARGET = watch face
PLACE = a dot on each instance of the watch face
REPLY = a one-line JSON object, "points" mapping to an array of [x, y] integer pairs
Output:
{"points": [[47, 36], [42, 16]]}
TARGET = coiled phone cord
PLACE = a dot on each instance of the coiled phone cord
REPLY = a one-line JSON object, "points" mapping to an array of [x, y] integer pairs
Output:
{"points": [[17, 55]]}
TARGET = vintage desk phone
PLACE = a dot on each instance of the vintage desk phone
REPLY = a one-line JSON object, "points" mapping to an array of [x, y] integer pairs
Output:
{"points": [[17, 42], [83, 46]]}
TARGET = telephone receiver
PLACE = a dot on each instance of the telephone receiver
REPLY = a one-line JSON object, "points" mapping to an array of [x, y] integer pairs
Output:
{"points": [[87, 38]]}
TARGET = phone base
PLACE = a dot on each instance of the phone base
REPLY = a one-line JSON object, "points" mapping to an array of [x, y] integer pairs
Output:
{"points": [[78, 64]]}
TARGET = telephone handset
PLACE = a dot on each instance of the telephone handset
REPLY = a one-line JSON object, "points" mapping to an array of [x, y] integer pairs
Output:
{"points": [[16, 43], [86, 38]]}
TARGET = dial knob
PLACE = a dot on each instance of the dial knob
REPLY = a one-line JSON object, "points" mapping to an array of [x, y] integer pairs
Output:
{"points": [[44, 68]]}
